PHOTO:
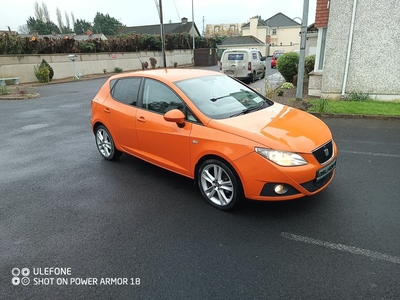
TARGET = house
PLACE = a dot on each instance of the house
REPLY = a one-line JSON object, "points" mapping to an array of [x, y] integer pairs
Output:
{"points": [[283, 33], [256, 27], [353, 53], [182, 27]]}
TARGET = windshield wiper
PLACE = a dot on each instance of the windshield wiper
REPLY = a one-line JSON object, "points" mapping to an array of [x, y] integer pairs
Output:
{"points": [[215, 99]]}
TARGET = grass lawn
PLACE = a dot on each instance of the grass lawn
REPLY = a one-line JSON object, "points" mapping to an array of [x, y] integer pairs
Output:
{"points": [[368, 107]]}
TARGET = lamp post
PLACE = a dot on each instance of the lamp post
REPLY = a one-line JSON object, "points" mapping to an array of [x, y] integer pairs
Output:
{"points": [[162, 35], [73, 57], [303, 38], [193, 31]]}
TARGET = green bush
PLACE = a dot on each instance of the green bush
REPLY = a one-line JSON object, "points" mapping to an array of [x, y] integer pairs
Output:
{"points": [[117, 70], [51, 74], [287, 86], [321, 105], [42, 73], [4, 90], [287, 65], [309, 63], [358, 96]]}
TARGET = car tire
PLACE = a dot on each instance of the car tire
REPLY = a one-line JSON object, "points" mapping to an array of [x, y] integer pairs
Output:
{"points": [[254, 77], [264, 72], [219, 184], [105, 144]]}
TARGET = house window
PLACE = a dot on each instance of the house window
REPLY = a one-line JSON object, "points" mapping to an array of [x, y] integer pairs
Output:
{"points": [[281, 44], [232, 28], [273, 31], [216, 29], [291, 43]]}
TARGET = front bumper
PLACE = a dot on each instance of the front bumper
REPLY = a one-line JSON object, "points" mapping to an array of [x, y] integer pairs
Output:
{"points": [[260, 176]]}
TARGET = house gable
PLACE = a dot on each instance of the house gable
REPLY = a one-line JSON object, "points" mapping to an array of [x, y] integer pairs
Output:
{"points": [[281, 20]]}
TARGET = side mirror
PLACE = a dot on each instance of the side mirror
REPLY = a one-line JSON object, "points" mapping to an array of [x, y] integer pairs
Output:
{"points": [[263, 58], [175, 115]]}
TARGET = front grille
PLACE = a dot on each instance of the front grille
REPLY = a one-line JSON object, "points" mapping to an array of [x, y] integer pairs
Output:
{"points": [[313, 185], [324, 153], [268, 190]]}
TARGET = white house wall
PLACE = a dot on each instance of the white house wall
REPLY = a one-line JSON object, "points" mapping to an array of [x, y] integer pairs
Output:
{"points": [[375, 53]]}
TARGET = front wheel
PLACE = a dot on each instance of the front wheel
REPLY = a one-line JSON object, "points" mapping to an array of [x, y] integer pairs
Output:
{"points": [[219, 184], [105, 144]]}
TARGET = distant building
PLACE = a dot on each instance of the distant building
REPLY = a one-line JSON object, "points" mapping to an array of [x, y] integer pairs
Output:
{"points": [[229, 30], [182, 27]]}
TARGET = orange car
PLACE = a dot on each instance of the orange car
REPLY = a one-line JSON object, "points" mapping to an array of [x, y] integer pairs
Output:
{"points": [[231, 140]]}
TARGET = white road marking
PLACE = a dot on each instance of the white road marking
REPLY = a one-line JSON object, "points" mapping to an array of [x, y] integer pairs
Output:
{"points": [[371, 153], [341, 247]]}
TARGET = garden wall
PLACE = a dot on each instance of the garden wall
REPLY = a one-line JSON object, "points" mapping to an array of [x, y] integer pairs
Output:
{"points": [[22, 66]]}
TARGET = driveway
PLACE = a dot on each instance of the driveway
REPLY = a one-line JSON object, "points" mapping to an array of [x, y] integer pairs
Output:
{"points": [[86, 228]]}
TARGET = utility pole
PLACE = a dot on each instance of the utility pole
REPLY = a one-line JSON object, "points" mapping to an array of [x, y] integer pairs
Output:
{"points": [[193, 31], [162, 35], [303, 39]]}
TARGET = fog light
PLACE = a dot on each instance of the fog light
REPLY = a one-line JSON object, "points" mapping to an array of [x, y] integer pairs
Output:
{"points": [[280, 189]]}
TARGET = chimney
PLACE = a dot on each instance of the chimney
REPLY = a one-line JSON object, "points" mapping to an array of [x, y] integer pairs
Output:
{"points": [[184, 20]]}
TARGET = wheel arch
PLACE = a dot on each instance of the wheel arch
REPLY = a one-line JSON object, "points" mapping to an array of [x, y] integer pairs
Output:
{"points": [[214, 156]]}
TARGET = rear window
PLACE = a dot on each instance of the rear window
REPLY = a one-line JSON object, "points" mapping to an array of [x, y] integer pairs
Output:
{"points": [[236, 56]]}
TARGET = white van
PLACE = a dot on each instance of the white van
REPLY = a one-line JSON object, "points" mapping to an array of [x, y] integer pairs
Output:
{"points": [[244, 64]]}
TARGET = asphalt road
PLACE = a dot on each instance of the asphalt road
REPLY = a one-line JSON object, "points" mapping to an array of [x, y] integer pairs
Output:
{"points": [[63, 206]]}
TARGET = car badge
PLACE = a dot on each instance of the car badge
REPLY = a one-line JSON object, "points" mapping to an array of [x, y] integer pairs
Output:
{"points": [[326, 152]]}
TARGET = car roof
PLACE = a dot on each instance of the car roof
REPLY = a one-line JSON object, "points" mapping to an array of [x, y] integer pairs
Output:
{"points": [[171, 75]]}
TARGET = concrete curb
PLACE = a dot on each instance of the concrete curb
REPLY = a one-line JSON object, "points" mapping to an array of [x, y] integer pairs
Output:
{"points": [[355, 116]]}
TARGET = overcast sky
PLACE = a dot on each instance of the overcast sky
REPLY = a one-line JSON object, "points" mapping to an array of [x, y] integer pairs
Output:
{"points": [[144, 12]]}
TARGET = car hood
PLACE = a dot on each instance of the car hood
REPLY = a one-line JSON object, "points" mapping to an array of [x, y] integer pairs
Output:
{"points": [[279, 127]]}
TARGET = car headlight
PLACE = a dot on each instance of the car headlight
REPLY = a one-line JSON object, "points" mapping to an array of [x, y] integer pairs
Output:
{"points": [[282, 158]]}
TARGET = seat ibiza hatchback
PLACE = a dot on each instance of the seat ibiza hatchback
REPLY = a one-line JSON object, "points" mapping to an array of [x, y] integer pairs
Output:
{"points": [[230, 139]]}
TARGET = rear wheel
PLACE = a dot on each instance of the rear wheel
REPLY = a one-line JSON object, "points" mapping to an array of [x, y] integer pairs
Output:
{"points": [[105, 144], [219, 184]]}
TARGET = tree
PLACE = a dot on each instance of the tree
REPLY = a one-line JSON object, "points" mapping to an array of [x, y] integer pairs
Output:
{"points": [[105, 24], [41, 27], [24, 29], [64, 28], [81, 26], [41, 12]]}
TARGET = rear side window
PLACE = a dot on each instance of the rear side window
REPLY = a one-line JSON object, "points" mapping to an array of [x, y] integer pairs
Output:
{"points": [[235, 56], [126, 90]]}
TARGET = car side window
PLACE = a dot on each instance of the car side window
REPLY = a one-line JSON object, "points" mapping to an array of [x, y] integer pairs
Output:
{"points": [[254, 55], [126, 90], [159, 98]]}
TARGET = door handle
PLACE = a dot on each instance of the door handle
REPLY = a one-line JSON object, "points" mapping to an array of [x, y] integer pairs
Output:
{"points": [[107, 110], [141, 119]]}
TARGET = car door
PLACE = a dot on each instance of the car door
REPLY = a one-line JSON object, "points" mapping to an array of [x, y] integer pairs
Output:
{"points": [[161, 142], [120, 112]]}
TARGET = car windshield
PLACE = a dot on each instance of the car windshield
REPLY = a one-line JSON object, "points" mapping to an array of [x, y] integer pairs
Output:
{"points": [[220, 97]]}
